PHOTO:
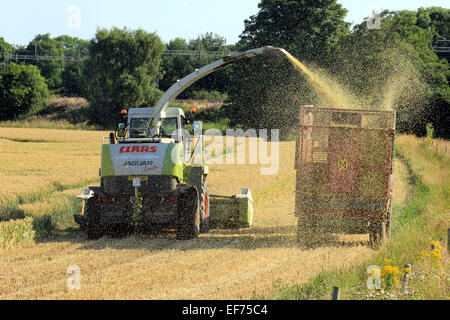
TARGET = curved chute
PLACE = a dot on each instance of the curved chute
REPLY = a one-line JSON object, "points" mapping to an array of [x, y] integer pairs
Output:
{"points": [[171, 94]]}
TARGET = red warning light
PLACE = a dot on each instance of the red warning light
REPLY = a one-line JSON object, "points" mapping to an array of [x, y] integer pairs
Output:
{"points": [[193, 110], [123, 111]]}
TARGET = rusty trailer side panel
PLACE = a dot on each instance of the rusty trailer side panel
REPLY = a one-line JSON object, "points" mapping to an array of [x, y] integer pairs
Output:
{"points": [[344, 162]]}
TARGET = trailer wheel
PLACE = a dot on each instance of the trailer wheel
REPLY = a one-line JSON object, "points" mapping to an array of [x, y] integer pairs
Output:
{"points": [[188, 215], [377, 234], [94, 228]]}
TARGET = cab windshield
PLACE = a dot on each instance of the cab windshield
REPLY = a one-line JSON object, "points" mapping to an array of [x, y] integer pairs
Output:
{"points": [[138, 127]]}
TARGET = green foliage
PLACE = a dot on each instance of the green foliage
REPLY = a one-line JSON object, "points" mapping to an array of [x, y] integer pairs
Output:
{"points": [[7, 214], [267, 91], [72, 79], [73, 46], [22, 89], [51, 70], [436, 19], [16, 233], [5, 47], [430, 130], [43, 226], [121, 72], [72, 75], [395, 67], [308, 29], [177, 67], [212, 95]]}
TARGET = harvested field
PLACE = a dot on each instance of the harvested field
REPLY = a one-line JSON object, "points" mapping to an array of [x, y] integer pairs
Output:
{"points": [[223, 264]]}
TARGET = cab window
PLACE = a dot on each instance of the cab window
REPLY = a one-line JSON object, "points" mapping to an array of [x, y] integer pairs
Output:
{"points": [[138, 127], [169, 126]]}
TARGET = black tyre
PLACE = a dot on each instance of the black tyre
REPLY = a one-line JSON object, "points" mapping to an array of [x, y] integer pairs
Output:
{"points": [[188, 215], [94, 229], [118, 231]]}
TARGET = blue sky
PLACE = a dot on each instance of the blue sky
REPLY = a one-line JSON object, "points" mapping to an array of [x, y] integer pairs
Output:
{"points": [[20, 21]]}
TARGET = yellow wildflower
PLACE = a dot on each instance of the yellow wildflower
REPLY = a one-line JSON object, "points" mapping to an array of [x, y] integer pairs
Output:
{"points": [[436, 254], [389, 270], [436, 244], [408, 269], [388, 261]]}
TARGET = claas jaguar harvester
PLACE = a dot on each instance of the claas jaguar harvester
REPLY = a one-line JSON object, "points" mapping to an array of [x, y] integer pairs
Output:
{"points": [[150, 179]]}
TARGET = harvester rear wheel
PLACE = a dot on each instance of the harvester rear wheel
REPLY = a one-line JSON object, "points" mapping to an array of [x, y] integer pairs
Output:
{"points": [[94, 228], [188, 215]]}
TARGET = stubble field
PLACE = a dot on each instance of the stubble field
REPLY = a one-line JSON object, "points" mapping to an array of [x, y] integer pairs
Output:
{"points": [[42, 170]]}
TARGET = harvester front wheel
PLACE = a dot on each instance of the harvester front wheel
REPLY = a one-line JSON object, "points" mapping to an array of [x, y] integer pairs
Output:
{"points": [[188, 215], [94, 227]]}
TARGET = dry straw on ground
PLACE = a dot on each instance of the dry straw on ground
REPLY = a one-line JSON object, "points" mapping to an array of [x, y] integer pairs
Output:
{"points": [[219, 265]]}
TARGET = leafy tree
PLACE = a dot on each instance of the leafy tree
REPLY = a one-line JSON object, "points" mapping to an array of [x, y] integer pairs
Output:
{"points": [[208, 42], [72, 78], [395, 67], [219, 80], [176, 67], [267, 91], [72, 75], [121, 72], [51, 70], [22, 90], [74, 43], [435, 19], [308, 29], [5, 47]]}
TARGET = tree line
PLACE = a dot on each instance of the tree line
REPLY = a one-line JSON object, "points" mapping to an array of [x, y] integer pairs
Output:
{"points": [[391, 66]]}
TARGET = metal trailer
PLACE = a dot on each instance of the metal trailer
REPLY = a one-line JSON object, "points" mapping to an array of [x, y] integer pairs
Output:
{"points": [[344, 174]]}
